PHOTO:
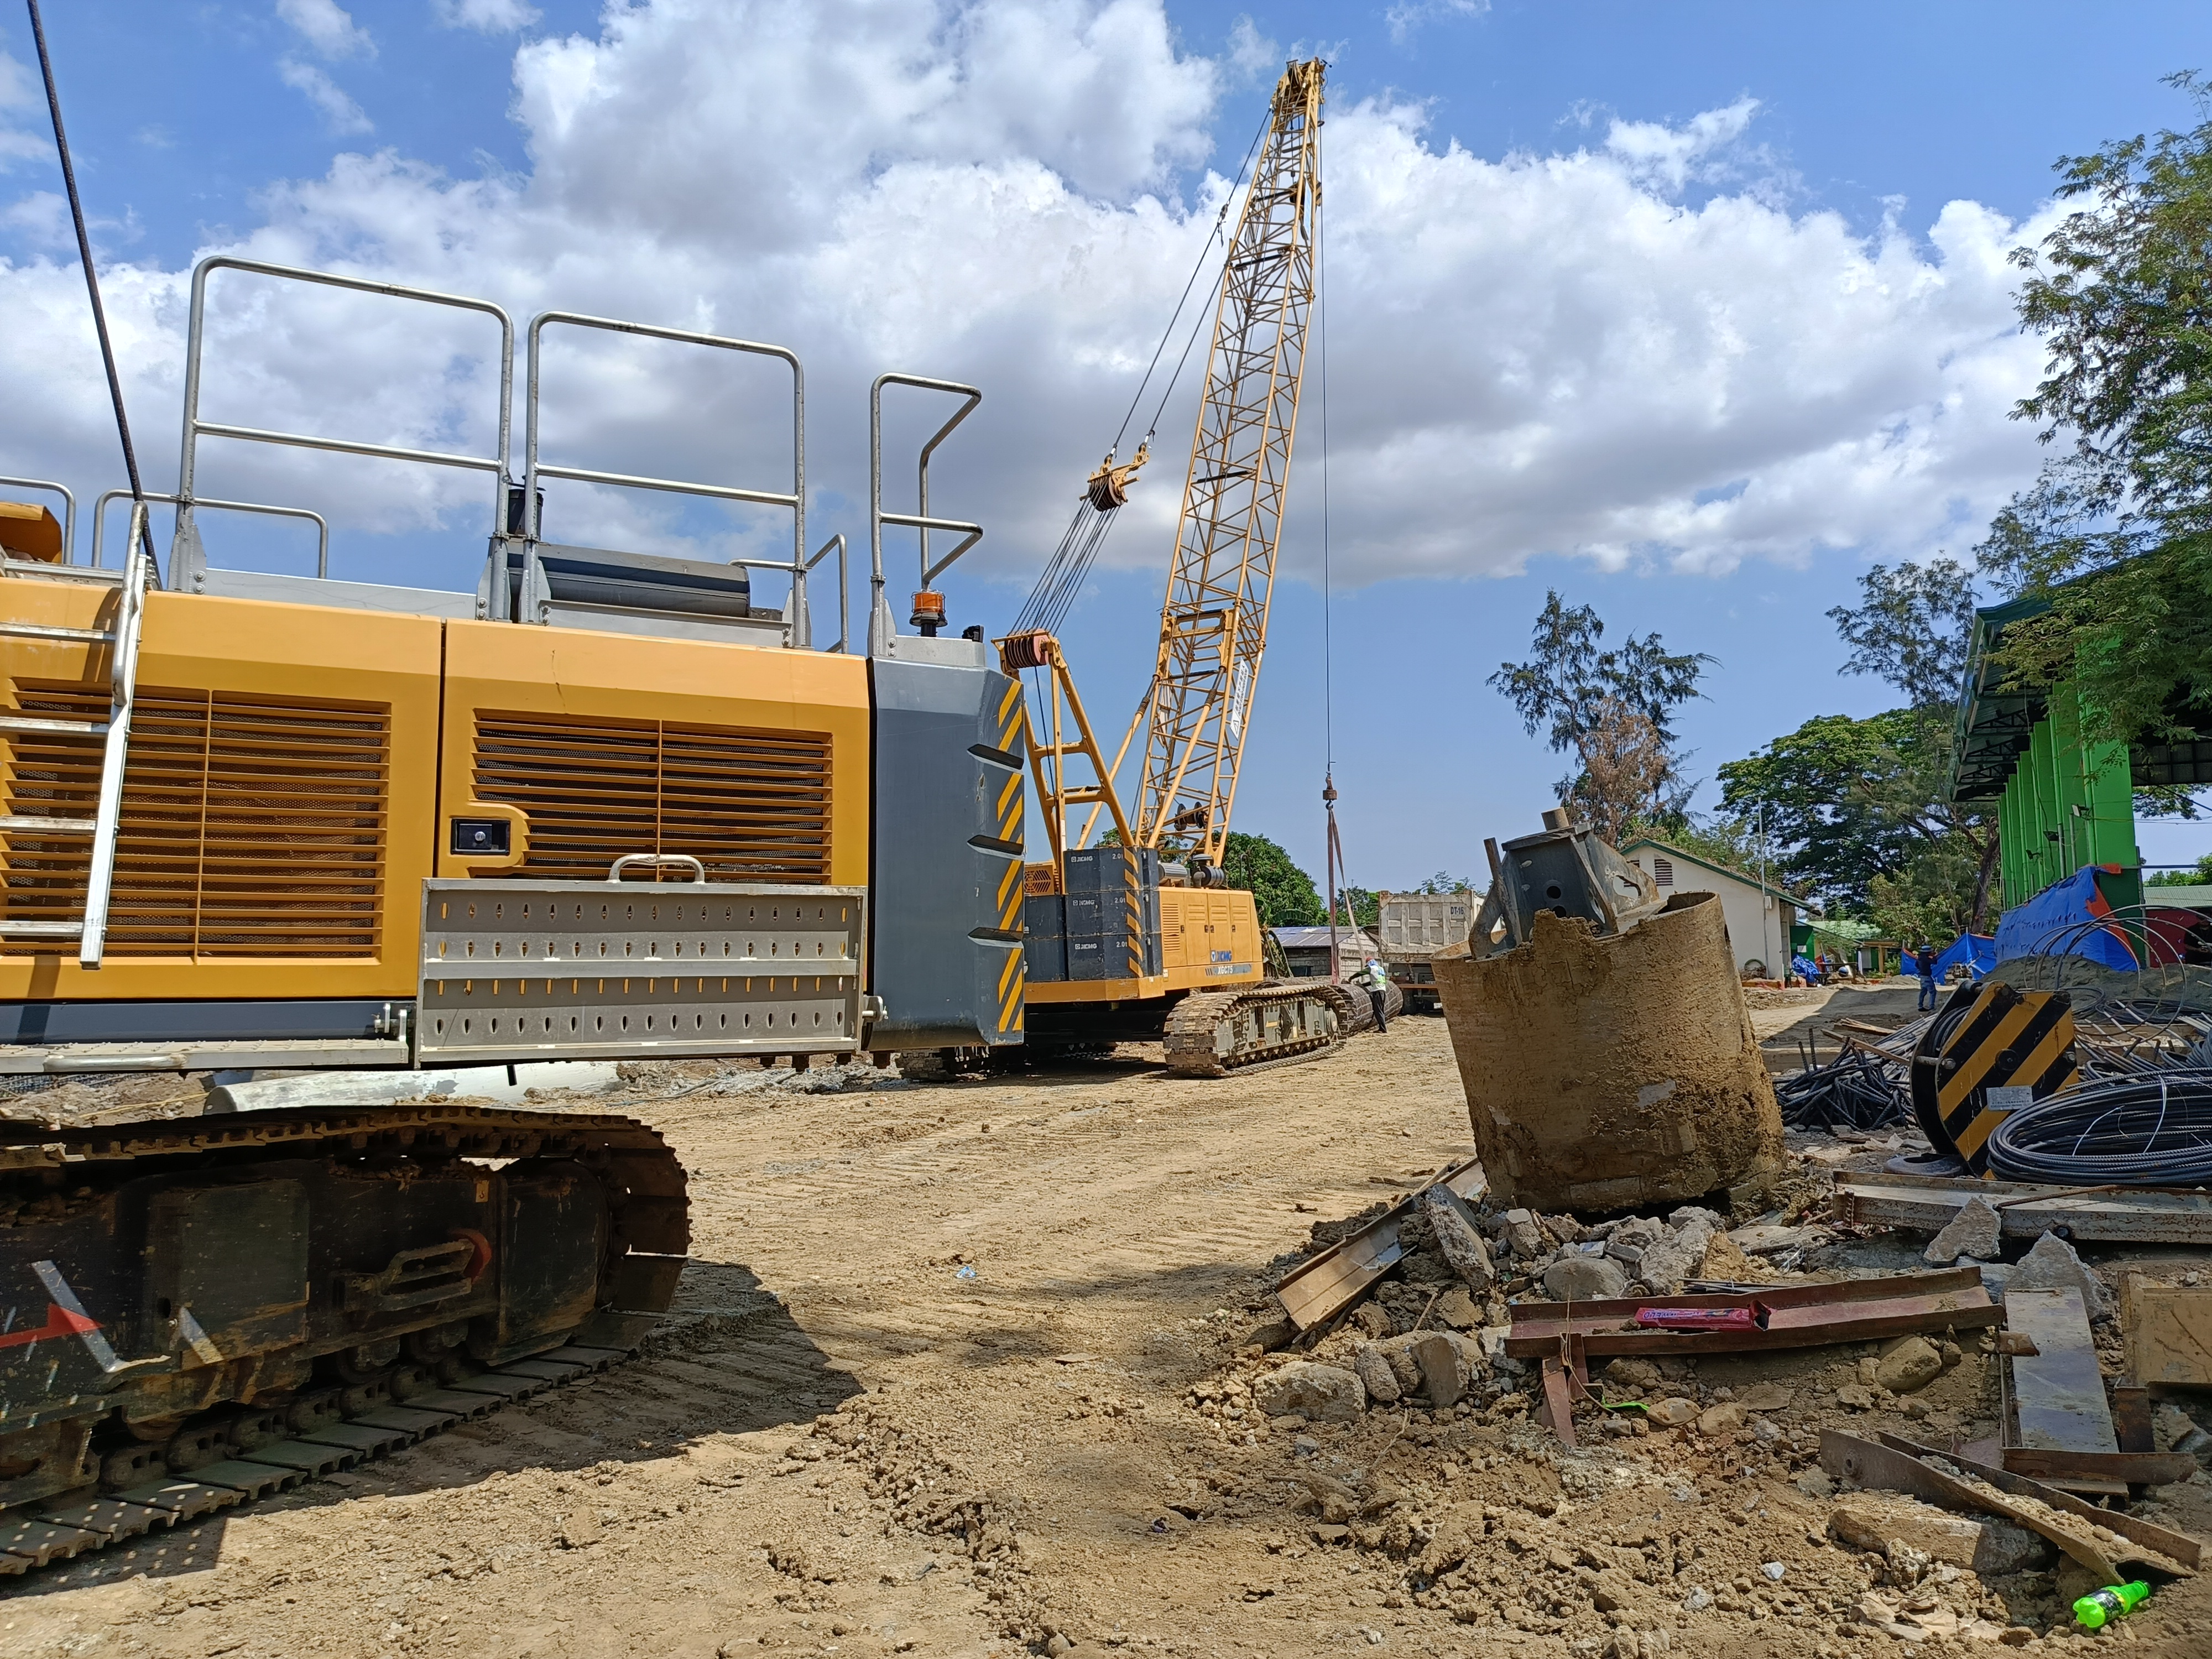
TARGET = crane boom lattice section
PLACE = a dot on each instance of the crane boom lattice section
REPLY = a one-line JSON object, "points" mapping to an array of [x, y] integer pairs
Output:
{"points": [[1213, 624]]}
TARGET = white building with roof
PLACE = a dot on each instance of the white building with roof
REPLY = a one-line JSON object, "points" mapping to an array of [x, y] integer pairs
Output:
{"points": [[1759, 913]]}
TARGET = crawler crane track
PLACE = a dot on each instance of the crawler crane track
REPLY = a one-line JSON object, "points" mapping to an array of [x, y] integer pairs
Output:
{"points": [[1214, 1033], [197, 1312]]}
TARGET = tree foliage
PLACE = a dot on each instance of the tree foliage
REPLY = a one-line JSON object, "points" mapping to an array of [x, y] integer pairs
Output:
{"points": [[2198, 876], [1611, 709], [1445, 882], [1911, 627], [2122, 293], [1283, 894], [1860, 810]]}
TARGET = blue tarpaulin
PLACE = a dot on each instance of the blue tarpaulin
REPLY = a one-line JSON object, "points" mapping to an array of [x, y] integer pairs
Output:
{"points": [[2061, 920], [1978, 951]]}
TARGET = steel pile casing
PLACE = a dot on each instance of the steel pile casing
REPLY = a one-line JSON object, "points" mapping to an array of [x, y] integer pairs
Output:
{"points": [[1606, 1072]]}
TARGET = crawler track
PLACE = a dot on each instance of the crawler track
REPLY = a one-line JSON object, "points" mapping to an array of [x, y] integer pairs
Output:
{"points": [[1213, 1033], [33, 1536], [197, 1311]]}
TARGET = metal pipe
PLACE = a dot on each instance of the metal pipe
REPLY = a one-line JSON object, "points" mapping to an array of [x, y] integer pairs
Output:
{"points": [[195, 342], [919, 520], [69, 510], [796, 501], [322, 525], [844, 592]]}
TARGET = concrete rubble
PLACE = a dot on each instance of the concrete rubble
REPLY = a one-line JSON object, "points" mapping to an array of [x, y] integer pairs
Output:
{"points": [[1734, 1522]]}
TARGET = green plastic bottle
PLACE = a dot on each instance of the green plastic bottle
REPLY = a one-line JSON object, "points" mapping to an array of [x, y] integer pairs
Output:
{"points": [[2115, 1601]]}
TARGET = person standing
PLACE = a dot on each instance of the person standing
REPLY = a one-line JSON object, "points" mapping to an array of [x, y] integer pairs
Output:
{"points": [[1376, 978], [1926, 959]]}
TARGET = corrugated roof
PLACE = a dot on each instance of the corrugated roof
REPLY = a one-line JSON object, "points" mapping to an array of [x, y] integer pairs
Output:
{"points": [[1316, 938]]}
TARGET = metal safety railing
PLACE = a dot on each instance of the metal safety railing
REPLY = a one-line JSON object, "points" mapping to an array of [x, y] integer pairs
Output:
{"points": [[69, 509], [187, 558], [322, 525], [795, 500], [881, 622]]}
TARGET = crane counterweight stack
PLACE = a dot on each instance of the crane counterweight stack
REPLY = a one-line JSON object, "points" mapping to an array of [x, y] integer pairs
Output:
{"points": [[1199, 987]]}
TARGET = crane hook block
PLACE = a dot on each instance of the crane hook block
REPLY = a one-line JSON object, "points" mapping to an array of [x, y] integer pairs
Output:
{"points": [[1109, 486]]}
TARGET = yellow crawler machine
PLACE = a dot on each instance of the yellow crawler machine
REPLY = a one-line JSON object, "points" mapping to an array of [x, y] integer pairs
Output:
{"points": [[1139, 939], [596, 804]]}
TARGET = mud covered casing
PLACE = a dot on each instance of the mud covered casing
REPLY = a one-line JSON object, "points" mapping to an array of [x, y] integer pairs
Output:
{"points": [[945, 946]]}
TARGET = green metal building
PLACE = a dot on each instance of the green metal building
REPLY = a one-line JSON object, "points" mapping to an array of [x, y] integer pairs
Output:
{"points": [[2061, 801]]}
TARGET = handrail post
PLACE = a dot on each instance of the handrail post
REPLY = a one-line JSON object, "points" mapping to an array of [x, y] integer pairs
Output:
{"points": [[187, 556], [882, 625], [844, 591], [533, 469]]}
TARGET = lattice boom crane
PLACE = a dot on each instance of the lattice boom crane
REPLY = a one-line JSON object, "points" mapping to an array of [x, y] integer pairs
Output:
{"points": [[1196, 712]]}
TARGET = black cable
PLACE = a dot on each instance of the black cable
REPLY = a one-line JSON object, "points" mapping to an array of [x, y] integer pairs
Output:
{"points": [[2129, 1132], [91, 276]]}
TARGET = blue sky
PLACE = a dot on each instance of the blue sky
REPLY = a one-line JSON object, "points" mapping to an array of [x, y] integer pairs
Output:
{"points": [[1767, 159]]}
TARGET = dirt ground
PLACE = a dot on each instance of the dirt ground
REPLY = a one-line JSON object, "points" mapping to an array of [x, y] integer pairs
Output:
{"points": [[960, 1369]]}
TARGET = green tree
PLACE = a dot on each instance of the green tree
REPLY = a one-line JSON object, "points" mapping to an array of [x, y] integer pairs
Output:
{"points": [[2122, 293], [1859, 811], [1284, 894], [1611, 708], [2199, 875], [1444, 882], [1845, 801]]}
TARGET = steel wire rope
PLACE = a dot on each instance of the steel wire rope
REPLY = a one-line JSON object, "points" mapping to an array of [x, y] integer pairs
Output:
{"points": [[91, 276], [1060, 582]]}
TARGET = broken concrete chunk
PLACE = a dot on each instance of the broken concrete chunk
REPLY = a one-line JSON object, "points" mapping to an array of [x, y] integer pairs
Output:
{"points": [[1672, 1414], [1524, 1235], [1627, 1242], [1724, 1419], [2174, 1430], [1374, 1375], [1693, 1215], [2052, 1265], [1458, 1237], [1579, 1278], [1443, 1374], [1674, 1261], [1974, 1231], [1858, 1398], [1457, 1308], [1987, 1546], [1766, 1397], [1909, 1364], [1322, 1393]]}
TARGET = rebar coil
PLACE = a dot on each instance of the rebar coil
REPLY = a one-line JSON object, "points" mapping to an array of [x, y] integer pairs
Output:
{"points": [[2154, 1131]]}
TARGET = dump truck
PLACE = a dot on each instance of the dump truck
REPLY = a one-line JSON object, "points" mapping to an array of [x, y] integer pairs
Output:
{"points": [[1412, 927]]}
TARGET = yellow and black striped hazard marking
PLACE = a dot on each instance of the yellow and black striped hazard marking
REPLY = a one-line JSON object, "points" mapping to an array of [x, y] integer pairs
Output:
{"points": [[1992, 1037]]}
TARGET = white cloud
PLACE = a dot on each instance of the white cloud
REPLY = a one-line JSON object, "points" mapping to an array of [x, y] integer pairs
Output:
{"points": [[1542, 355], [22, 139], [341, 114], [1408, 16], [486, 16], [328, 27]]}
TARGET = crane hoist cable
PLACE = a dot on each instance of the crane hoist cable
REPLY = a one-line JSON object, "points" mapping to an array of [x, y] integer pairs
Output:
{"points": [[1106, 489]]}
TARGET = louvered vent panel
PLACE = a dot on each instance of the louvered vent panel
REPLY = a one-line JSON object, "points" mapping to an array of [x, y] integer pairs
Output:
{"points": [[750, 806], [249, 828]]}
